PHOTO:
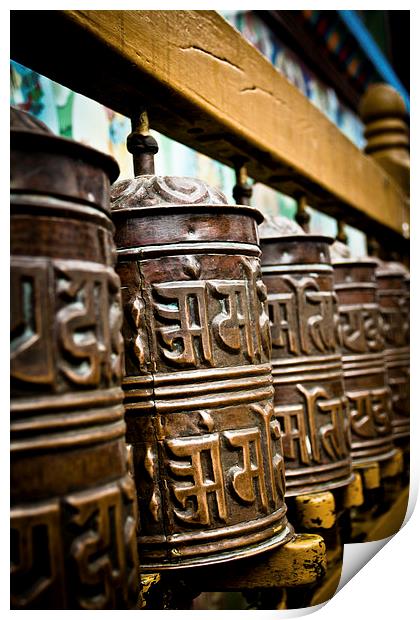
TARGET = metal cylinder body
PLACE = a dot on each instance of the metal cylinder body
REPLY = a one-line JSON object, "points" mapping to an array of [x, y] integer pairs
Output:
{"points": [[393, 290], [365, 375], [73, 509], [198, 388], [310, 404]]}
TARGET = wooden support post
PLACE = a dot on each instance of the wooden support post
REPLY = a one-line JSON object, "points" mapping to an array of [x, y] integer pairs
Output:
{"points": [[383, 111], [316, 510]]}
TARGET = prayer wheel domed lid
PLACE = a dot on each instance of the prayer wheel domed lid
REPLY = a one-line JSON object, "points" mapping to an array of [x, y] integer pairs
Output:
{"points": [[150, 192], [276, 226], [280, 228], [342, 255], [392, 268], [30, 134]]}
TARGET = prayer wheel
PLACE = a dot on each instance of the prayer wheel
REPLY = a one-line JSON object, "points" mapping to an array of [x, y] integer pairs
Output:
{"points": [[393, 289], [73, 508], [309, 402], [206, 443], [365, 374]]}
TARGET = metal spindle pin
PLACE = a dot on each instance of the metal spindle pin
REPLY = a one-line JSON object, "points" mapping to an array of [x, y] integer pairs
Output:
{"points": [[142, 145]]}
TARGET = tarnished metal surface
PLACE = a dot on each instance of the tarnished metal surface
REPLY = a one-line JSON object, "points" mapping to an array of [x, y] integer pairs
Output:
{"points": [[73, 509], [198, 388], [393, 289], [310, 403], [365, 375]]}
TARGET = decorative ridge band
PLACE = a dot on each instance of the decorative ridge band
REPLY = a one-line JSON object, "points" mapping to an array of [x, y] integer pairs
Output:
{"points": [[267, 269], [189, 247]]}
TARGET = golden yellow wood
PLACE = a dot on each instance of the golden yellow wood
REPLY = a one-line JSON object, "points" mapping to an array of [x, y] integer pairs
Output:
{"points": [[353, 493], [315, 510], [371, 475], [393, 466], [206, 86]]}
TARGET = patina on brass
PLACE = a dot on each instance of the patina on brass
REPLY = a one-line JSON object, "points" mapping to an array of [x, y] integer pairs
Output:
{"points": [[365, 375], [393, 290], [73, 508], [310, 404], [206, 443]]}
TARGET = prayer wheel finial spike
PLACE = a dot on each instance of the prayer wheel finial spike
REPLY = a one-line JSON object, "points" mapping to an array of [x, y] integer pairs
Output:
{"points": [[302, 216], [142, 145], [242, 191], [384, 114], [341, 232]]}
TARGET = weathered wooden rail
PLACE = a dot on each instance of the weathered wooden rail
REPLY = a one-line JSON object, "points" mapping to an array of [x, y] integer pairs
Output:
{"points": [[204, 85]]}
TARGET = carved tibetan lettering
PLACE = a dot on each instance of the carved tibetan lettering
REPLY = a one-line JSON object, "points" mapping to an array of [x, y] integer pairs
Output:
{"points": [[370, 412], [315, 330], [393, 326], [332, 435], [234, 320], [400, 387], [99, 549], [319, 326], [264, 330], [283, 318], [279, 479], [185, 307], [274, 448], [203, 481], [36, 557], [31, 354], [88, 324], [360, 328], [243, 475], [293, 430]]}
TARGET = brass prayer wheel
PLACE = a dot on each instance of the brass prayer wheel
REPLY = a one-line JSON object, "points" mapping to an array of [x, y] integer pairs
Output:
{"points": [[206, 444], [310, 403], [393, 290], [365, 374], [73, 508]]}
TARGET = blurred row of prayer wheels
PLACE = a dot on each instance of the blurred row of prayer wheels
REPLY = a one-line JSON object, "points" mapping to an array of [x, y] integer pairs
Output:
{"points": [[179, 375]]}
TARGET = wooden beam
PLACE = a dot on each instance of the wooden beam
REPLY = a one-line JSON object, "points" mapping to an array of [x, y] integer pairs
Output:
{"points": [[206, 86]]}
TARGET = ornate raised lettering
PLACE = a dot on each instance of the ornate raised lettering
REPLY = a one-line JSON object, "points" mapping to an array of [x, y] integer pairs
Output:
{"points": [[283, 318], [31, 353], [332, 435], [196, 511], [185, 308], [36, 557], [370, 412], [88, 324], [360, 328], [303, 318], [293, 430], [234, 320], [100, 547], [243, 476]]}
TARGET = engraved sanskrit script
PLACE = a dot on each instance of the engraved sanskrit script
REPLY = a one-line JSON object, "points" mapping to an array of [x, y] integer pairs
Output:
{"points": [[360, 328], [197, 467], [197, 319], [303, 319], [315, 428], [66, 322]]}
